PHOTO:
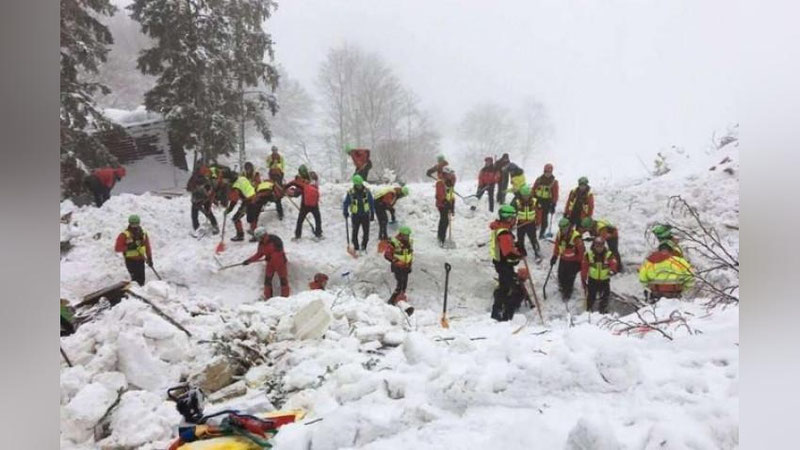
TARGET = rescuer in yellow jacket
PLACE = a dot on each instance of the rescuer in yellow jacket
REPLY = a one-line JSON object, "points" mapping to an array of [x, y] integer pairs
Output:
{"points": [[663, 274]]}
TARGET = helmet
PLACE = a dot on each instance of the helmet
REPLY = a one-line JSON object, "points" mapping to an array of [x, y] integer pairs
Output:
{"points": [[404, 190], [302, 168], [599, 241], [662, 231], [248, 166], [587, 222], [405, 230], [583, 181], [440, 157], [523, 274], [488, 159], [274, 148], [548, 168], [563, 223], [259, 232], [133, 219], [348, 149], [507, 211], [358, 180], [320, 277], [525, 190]]}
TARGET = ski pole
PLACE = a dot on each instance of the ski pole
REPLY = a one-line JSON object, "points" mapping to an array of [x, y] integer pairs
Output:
{"points": [[443, 321]]}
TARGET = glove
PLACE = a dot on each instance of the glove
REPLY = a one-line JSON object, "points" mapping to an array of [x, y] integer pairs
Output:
{"points": [[553, 260], [552, 209], [246, 262], [346, 215], [150, 262]]}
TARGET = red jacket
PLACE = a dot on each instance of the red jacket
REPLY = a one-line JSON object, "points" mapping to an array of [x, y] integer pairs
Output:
{"points": [[390, 198], [611, 262], [121, 245], [587, 207], [308, 189], [360, 157], [505, 242], [544, 180], [572, 250], [441, 195], [106, 175], [268, 247], [488, 176], [388, 254]]}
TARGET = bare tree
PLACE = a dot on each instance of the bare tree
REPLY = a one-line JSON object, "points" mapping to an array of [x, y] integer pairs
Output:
{"points": [[536, 127], [488, 129]]}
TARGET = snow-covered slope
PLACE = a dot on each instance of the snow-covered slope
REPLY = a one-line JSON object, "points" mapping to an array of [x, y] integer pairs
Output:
{"points": [[380, 381]]}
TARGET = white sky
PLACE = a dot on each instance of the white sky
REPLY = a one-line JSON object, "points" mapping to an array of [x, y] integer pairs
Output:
{"points": [[617, 76]]}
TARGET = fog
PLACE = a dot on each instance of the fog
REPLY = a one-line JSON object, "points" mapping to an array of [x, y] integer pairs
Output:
{"points": [[618, 78]]}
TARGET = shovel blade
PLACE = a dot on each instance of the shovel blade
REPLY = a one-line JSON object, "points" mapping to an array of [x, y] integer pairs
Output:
{"points": [[351, 252], [220, 247], [444, 322]]}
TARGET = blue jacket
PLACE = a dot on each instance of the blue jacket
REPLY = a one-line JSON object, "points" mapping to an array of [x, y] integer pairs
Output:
{"points": [[362, 201]]}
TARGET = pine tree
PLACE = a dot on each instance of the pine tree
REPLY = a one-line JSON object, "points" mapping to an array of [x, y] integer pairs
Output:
{"points": [[84, 45], [206, 54]]}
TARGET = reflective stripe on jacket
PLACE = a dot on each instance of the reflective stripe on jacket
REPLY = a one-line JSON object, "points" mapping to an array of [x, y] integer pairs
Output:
{"points": [[599, 269], [140, 249], [244, 186], [402, 253]]}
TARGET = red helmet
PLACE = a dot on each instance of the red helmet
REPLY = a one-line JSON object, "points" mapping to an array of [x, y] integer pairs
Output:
{"points": [[320, 278], [548, 168]]}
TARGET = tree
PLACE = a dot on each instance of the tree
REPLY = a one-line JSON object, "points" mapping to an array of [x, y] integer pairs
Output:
{"points": [[206, 53], [366, 105], [536, 127], [84, 45], [488, 129]]}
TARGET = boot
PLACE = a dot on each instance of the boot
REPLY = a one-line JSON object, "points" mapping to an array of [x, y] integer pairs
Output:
{"points": [[239, 237], [267, 292], [215, 230], [393, 299]]}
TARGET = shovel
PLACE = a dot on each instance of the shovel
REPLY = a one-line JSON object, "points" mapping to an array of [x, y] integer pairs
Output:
{"points": [[221, 245], [350, 250], [444, 322]]}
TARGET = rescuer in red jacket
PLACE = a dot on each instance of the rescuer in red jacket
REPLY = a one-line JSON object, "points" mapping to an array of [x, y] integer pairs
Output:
{"points": [[361, 160], [101, 181], [270, 247], [487, 179], [134, 245]]}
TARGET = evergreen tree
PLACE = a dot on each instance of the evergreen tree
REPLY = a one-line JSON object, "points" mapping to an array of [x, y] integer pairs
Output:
{"points": [[206, 54], [84, 45]]}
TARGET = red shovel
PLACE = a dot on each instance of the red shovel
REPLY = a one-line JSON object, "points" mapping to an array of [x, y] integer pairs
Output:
{"points": [[221, 245]]}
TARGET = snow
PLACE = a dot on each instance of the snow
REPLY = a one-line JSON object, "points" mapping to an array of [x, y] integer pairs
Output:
{"points": [[379, 380]]}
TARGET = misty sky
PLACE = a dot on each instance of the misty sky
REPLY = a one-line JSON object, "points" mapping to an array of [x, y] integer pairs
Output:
{"points": [[617, 77]]}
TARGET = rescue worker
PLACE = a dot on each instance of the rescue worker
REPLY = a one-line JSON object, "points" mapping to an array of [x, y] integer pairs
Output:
{"points": [[487, 178], [270, 247], [202, 197], [545, 189], [251, 174], [385, 200], [505, 255], [319, 282], [502, 185], [445, 202], [269, 191], [244, 193], [516, 175], [134, 244], [361, 160], [360, 204], [597, 267], [527, 219], [580, 203], [568, 249], [101, 181], [437, 168], [276, 165], [663, 274], [400, 252], [607, 231], [220, 177], [306, 184], [665, 236]]}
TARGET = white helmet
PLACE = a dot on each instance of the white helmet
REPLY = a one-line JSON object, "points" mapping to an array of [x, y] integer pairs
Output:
{"points": [[259, 232]]}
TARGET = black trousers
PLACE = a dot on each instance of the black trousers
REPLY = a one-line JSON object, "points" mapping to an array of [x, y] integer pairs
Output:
{"points": [[490, 190], [567, 271], [364, 172], [613, 245], [595, 289], [503, 306], [360, 221], [444, 222], [501, 190], [135, 269], [528, 230], [205, 208], [383, 219], [301, 216], [545, 204], [401, 276], [100, 191]]}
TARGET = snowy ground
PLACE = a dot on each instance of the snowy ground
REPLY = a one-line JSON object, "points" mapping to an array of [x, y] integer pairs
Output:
{"points": [[380, 381]]}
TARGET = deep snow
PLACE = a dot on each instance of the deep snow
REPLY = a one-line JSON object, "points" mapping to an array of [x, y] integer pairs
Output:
{"points": [[379, 381]]}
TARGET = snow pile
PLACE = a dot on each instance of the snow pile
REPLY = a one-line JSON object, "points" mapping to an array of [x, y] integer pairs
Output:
{"points": [[377, 378]]}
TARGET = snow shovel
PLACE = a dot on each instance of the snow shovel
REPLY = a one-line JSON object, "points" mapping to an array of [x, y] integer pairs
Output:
{"points": [[533, 290], [155, 272], [443, 321], [350, 250], [544, 287], [221, 245]]}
